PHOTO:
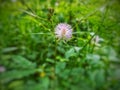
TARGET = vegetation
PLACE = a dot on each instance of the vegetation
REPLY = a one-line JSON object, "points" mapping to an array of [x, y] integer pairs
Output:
{"points": [[32, 58]]}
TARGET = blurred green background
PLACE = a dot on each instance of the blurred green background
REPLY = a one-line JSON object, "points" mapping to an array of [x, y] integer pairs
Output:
{"points": [[31, 58]]}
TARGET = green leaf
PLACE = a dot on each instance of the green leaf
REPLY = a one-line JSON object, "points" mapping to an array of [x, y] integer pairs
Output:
{"points": [[15, 74], [116, 73], [70, 52], [42, 85], [60, 66], [16, 85], [9, 49], [94, 57], [21, 62], [100, 77], [50, 60]]}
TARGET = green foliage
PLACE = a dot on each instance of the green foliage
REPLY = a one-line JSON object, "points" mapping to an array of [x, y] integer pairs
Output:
{"points": [[32, 58], [15, 74], [22, 62]]}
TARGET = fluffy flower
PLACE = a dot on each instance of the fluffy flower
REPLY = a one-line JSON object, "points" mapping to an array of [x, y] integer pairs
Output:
{"points": [[63, 31], [96, 40]]}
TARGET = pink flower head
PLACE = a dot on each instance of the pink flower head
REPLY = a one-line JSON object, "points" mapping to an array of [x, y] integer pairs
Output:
{"points": [[63, 31]]}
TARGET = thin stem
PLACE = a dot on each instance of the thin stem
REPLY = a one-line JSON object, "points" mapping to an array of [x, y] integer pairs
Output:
{"points": [[102, 22], [32, 14], [40, 33]]}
